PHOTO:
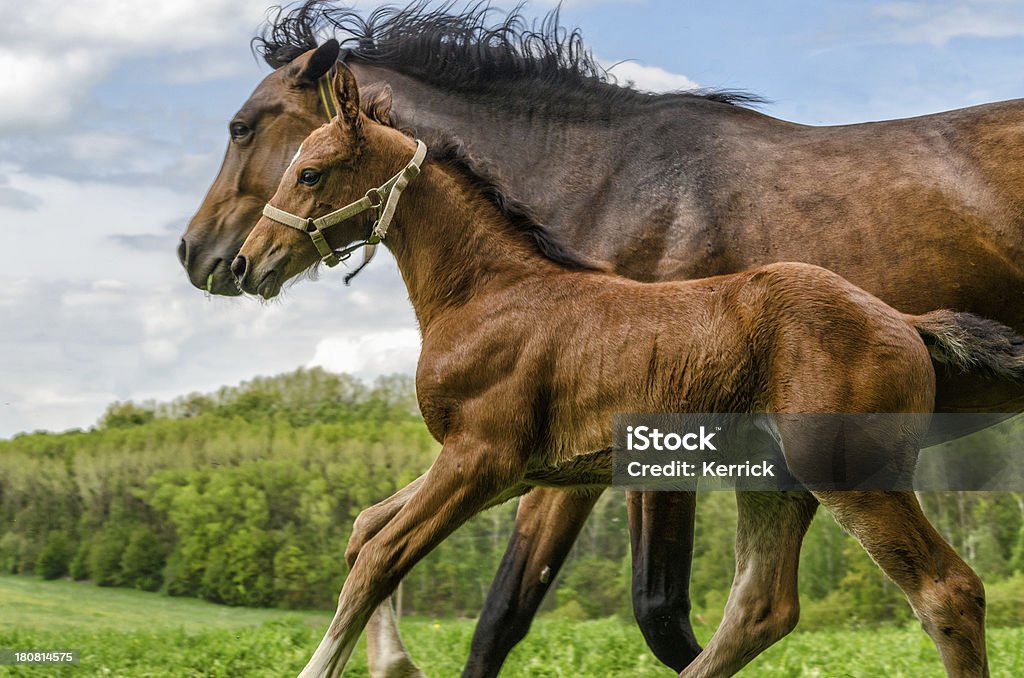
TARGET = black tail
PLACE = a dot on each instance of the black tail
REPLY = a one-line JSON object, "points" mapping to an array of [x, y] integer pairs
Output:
{"points": [[973, 344]]}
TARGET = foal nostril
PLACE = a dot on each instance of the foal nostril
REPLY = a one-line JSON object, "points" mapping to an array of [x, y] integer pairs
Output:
{"points": [[183, 252], [239, 266]]}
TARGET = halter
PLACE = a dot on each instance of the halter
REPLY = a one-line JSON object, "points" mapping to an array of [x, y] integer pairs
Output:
{"points": [[383, 200]]}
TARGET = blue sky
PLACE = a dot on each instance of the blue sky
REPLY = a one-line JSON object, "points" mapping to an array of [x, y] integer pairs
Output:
{"points": [[113, 124]]}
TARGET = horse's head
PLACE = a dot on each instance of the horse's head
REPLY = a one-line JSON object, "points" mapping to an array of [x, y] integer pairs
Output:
{"points": [[330, 183], [265, 133]]}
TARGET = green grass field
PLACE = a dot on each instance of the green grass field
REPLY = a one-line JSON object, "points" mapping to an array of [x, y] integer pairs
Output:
{"points": [[129, 633]]}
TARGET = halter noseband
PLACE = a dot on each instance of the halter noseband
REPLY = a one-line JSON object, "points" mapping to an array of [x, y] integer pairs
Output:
{"points": [[383, 200]]}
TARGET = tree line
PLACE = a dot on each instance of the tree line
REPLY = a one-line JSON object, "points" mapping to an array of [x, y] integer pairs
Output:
{"points": [[246, 496]]}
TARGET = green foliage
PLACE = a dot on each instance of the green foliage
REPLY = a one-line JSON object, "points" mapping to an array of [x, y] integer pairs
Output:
{"points": [[79, 566], [14, 550], [135, 634], [126, 415], [53, 560], [1017, 555], [1005, 602], [105, 553], [142, 562], [594, 584], [246, 496]]}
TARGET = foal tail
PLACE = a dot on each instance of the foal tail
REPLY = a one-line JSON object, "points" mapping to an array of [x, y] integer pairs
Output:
{"points": [[972, 344]]}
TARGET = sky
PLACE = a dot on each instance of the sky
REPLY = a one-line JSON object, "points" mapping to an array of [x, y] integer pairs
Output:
{"points": [[113, 123]]}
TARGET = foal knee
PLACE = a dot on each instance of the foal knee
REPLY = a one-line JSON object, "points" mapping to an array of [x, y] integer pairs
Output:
{"points": [[767, 620], [360, 535]]}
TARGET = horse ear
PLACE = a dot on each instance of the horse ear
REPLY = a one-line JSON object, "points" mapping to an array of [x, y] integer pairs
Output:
{"points": [[348, 95], [377, 103], [320, 61]]}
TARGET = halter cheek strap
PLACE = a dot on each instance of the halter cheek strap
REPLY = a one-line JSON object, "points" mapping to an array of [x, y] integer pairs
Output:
{"points": [[383, 200], [325, 86]]}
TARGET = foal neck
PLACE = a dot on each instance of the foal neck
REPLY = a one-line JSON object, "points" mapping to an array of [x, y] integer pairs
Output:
{"points": [[450, 241]]}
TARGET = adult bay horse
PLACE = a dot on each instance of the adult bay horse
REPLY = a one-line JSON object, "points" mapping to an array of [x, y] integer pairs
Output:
{"points": [[528, 351], [709, 187]]}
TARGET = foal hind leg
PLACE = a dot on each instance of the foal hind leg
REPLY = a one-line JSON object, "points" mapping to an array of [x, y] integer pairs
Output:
{"points": [[945, 593], [763, 605]]}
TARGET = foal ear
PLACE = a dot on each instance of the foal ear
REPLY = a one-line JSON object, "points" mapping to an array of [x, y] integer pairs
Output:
{"points": [[320, 61], [377, 102], [348, 95]]}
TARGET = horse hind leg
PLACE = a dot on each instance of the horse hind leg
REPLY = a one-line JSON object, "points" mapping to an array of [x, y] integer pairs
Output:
{"points": [[945, 593], [763, 605]]}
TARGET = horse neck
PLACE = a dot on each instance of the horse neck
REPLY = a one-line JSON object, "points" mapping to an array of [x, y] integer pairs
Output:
{"points": [[555, 154]]}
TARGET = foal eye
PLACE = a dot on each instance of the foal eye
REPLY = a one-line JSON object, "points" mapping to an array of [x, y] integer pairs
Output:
{"points": [[309, 177], [239, 130]]}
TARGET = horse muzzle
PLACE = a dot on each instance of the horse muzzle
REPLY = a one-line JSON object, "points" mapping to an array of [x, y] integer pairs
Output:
{"points": [[208, 271]]}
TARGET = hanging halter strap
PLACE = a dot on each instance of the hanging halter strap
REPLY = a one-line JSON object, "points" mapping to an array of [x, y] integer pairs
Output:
{"points": [[383, 200]]}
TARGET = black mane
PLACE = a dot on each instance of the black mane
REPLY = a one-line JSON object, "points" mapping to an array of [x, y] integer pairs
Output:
{"points": [[459, 51], [450, 151]]}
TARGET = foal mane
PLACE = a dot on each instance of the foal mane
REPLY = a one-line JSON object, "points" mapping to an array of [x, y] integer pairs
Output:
{"points": [[461, 51], [448, 150]]}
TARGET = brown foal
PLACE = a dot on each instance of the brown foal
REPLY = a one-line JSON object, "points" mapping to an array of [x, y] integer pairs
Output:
{"points": [[528, 350]]}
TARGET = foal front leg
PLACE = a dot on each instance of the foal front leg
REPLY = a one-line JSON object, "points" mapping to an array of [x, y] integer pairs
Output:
{"points": [[464, 479], [386, 653]]}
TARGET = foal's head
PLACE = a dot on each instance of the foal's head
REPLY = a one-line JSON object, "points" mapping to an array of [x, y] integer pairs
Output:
{"points": [[331, 169]]}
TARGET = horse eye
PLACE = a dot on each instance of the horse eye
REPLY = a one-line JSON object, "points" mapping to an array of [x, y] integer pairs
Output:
{"points": [[309, 177], [239, 130]]}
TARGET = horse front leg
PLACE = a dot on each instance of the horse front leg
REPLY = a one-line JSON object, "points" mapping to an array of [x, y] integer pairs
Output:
{"points": [[387, 656], [661, 540], [547, 524], [464, 479]]}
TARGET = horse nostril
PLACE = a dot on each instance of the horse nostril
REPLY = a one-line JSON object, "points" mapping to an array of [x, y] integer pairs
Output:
{"points": [[239, 267], [183, 252]]}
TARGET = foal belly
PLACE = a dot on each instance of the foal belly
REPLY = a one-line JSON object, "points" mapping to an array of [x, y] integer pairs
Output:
{"points": [[593, 469]]}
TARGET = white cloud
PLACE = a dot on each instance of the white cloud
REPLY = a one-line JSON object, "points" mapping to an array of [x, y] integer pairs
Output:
{"points": [[54, 52], [371, 354], [938, 23], [68, 231], [71, 346], [39, 88], [648, 78]]}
